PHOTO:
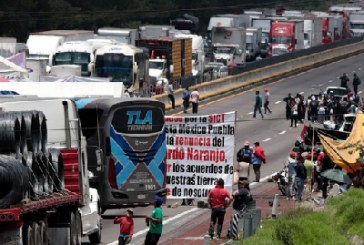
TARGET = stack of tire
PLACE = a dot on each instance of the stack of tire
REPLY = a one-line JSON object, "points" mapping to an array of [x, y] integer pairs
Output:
{"points": [[28, 169]]}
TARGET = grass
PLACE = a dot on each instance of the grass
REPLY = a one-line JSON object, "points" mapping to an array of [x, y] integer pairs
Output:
{"points": [[340, 220]]}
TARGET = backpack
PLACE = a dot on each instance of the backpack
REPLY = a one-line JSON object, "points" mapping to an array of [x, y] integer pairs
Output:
{"points": [[244, 155]]}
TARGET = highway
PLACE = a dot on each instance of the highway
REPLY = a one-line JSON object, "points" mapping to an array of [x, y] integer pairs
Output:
{"points": [[274, 133]]}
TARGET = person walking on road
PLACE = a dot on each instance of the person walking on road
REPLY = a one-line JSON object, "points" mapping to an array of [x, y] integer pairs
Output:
{"points": [[288, 101], [242, 197], [301, 176], [291, 168], [294, 115], [217, 200], [257, 159], [155, 223], [186, 99], [244, 158], [170, 93], [126, 227], [344, 79], [258, 104], [195, 95], [356, 83], [266, 101]]}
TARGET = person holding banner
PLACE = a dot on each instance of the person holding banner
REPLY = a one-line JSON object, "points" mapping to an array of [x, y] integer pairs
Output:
{"points": [[218, 198]]}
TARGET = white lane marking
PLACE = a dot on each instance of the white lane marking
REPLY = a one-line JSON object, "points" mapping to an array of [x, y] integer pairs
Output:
{"points": [[321, 84], [267, 139], [330, 81], [360, 92], [178, 216], [283, 132], [353, 72], [360, 68], [250, 113], [301, 92], [338, 77], [277, 102]]}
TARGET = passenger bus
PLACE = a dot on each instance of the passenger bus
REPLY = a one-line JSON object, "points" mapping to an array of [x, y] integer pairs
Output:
{"points": [[126, 146]]}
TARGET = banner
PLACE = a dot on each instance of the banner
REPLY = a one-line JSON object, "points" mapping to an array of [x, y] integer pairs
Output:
{"points": [[200, 149]]}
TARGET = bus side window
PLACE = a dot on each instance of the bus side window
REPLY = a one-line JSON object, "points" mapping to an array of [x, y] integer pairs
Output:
{"points": [[107, 147]]}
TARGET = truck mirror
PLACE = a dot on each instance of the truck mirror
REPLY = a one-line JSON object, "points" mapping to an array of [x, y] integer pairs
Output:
{"points": [[171, 68], [295, 41], [135, 68], [48, 69], [98, 153]]}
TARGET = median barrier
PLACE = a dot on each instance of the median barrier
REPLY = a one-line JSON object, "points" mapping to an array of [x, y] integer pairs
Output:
{"points": [[267, 74]]}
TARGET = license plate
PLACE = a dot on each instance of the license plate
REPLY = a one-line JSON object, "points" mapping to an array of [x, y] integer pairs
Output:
{"points": [[141, 196]]}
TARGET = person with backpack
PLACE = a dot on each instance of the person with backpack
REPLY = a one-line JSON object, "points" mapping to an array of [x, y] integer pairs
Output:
{"points": [[244, 159]]}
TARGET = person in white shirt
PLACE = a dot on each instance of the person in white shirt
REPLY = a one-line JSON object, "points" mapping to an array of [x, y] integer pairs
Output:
{"points": [[266, 101], [171, 94], [195, 95]]}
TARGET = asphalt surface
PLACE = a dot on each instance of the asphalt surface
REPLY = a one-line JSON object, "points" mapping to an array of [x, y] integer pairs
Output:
{"points": [[274, 133]]}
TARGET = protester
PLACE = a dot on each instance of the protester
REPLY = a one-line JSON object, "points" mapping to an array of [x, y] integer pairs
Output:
{"points": [[242, 197], [126, 227], [217, 200], [288, 101], [195, 95], [294, 115], [170, 93], [344, 80], [257, 159], [155, 223], [291, 167], [244, 158], [309, 165], [258, 104], [186, 99], [266, 101], [301, 175], [356, 83]]}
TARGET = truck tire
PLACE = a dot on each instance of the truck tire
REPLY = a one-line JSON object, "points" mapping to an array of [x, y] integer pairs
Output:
{"points": [[23, 131], [27, 160], [27, 235], [43, 233], [95, 238], [56, 161], [43, 132], [76, 229], [10, 136], [32, 135], [36, 233]]}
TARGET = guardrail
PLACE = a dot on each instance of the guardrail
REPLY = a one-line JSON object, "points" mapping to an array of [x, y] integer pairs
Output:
{"points": [[268, 70]]}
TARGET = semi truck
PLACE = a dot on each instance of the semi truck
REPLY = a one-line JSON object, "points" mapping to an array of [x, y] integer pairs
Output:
{"points": [[42, 45], [265, 24], [356, 20], [155, 31], [169, 58], [253, 41], [121, 35], [229, 44], [7, 46], [45, 197], [286, 37], [312, 32]]}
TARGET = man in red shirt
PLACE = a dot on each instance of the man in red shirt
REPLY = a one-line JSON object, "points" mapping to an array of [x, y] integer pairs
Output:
{"points": [[218, 203], [126, 227]]}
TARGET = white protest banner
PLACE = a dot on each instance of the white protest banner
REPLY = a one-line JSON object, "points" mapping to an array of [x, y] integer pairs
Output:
{"points": [[200, 149]]}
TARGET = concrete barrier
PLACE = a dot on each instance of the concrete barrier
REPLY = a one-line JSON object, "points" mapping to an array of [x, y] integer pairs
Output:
{"points": [[266, 74]]}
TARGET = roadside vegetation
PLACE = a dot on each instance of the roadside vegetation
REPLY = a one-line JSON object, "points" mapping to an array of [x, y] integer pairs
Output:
{"points": [[339, 222]]}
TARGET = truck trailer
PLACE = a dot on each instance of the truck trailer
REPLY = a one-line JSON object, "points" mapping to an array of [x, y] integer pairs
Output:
{"points": [[45, 197]]}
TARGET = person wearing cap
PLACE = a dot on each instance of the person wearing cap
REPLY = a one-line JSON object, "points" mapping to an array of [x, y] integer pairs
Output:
{"points": [[242, 197], [219, 198], [244, 159], [155, 223], [258, 158], [291, 165], [126, 227], [266, 101]]}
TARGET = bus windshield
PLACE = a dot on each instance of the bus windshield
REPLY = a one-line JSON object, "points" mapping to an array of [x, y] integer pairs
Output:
{"points": [[73, 58], [118, 67]]}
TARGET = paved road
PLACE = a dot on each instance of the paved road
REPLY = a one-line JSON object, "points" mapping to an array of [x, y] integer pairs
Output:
{"points": [[273, 132]]}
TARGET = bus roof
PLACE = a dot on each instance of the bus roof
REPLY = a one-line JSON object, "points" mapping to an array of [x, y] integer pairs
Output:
{"points": [[105, 103]]}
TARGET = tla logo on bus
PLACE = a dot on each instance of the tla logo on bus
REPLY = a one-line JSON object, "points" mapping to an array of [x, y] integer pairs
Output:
{"points": [[137, 118]]}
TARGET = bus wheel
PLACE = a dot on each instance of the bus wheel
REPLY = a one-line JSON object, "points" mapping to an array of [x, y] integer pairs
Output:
{"points": [[28, 235]]}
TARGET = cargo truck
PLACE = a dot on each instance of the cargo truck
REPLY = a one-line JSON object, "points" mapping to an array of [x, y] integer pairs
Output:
{"points": [[356, 20], [155, 31], [45, 197], [253, 40], [229, 45], [265, 24], [312, 32], [7, 46], [286, 37], [170, 58], [121, 35]]}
